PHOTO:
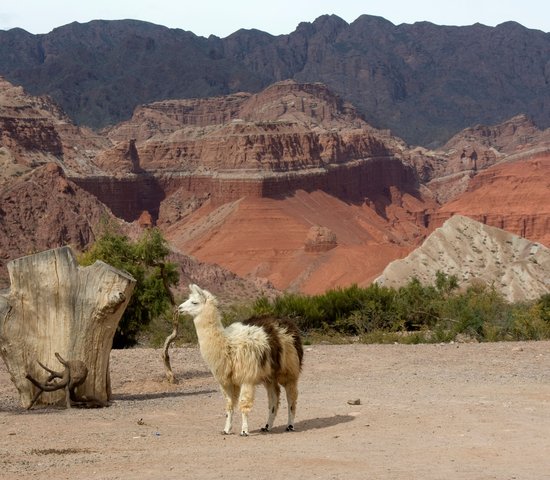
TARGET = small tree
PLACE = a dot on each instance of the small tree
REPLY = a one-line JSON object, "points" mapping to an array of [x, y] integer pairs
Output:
{"points": [[145, 260]]}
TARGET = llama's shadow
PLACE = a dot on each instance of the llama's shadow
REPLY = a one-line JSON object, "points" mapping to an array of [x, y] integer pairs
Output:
{"points": [[316, 423], [156, 395]]}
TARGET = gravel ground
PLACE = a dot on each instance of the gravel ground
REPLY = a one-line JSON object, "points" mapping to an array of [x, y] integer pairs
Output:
{"points": [[452, 411]]}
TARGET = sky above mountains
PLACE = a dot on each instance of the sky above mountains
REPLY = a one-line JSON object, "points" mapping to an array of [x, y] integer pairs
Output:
{"points": [[223, 17]]}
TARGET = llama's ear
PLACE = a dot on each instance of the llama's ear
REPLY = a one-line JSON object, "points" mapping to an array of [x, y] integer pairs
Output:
{"points": [[210, 297], [195, 289]]}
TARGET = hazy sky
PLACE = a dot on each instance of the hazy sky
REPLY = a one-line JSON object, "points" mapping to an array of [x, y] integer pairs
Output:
{"points": [[223, 17]]}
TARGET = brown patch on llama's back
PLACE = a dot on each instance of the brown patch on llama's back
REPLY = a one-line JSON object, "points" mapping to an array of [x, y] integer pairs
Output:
{"points": [[268, 325]]}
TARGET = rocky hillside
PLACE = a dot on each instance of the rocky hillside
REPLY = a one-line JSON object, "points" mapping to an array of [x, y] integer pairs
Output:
{"points": [[423, 81], [41, 207], [307, 242], [448, 170], [288, 137], [513, 195], [518, 268], [286, 127], [252, 179], [40, 210], [287, 188], [35, 131]]}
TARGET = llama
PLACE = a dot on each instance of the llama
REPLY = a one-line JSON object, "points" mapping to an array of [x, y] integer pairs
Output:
{"points": [[264, 350]]}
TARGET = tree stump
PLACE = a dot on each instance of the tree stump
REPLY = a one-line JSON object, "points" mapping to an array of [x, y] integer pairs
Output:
{"points": [[54, 305]]}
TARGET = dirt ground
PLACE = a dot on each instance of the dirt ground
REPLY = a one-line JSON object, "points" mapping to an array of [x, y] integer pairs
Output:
{"points": [[452, 411]]}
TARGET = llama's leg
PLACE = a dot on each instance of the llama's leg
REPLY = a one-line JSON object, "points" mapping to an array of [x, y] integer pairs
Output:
{"points": [[291, 389], [273, 394], [246, 400], [231, 394]]}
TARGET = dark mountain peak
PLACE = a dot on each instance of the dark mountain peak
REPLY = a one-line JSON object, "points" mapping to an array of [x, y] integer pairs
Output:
{"points": [[18, 32], [329, 24], [366, 21], [330, 19], [250, 33], [115, 28], [425, 82], [511, 25]]}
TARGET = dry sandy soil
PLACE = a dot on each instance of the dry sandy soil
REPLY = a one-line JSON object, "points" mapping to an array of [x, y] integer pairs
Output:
{"points": [[453, 411]]}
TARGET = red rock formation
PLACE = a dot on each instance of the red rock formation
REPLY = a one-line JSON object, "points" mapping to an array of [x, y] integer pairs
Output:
{"points": [[264, 237], [43, 209], [288, 126], [512, 196], [447, 172], [518, 134], [240, 180], [35, 131], [320, 239], [128, 196], [285, 102], [290, 136], [145, 220]]}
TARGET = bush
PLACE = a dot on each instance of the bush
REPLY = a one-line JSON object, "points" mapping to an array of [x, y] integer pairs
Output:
{"points": [[532, 321], [413, 313], [145, 261]]}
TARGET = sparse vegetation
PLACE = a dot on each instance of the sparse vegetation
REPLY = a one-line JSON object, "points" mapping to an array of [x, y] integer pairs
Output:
{"points": [[145, 260], [414, 313]]}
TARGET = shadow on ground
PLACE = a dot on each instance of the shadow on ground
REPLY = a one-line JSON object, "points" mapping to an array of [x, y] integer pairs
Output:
{"points": [[316, 423]]}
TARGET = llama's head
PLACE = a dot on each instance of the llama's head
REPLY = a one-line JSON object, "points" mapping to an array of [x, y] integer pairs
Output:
{"points": [[196, 301]]}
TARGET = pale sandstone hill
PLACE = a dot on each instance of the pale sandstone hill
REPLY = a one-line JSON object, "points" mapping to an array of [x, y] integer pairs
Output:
{"points": [[518, 268]]}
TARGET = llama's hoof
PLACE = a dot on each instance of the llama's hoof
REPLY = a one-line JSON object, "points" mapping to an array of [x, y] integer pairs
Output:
{"points": [[290, 428], [244, 434], [265, 429], [226, 433]]}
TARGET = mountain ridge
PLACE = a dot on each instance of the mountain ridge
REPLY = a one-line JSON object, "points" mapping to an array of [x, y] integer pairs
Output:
{"points": [[423, 81]]}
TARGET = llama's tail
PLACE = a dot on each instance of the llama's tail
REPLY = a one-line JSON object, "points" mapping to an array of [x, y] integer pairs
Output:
{"points": [[293, 331]]}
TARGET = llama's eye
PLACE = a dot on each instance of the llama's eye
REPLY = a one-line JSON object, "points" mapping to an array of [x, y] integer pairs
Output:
{"points": [[195, 303]]}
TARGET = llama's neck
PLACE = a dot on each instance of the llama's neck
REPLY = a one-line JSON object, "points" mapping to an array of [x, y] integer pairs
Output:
{"points": [[211, 336]]}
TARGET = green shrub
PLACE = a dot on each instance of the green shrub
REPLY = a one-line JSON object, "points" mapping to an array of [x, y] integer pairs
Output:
{"points": [[145, 260], [531, 321], [479, 312], [414, 313]]}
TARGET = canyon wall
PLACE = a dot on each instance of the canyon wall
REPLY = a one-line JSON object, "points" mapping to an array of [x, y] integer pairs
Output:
{"points": [[512, 195], [129, 196]]}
